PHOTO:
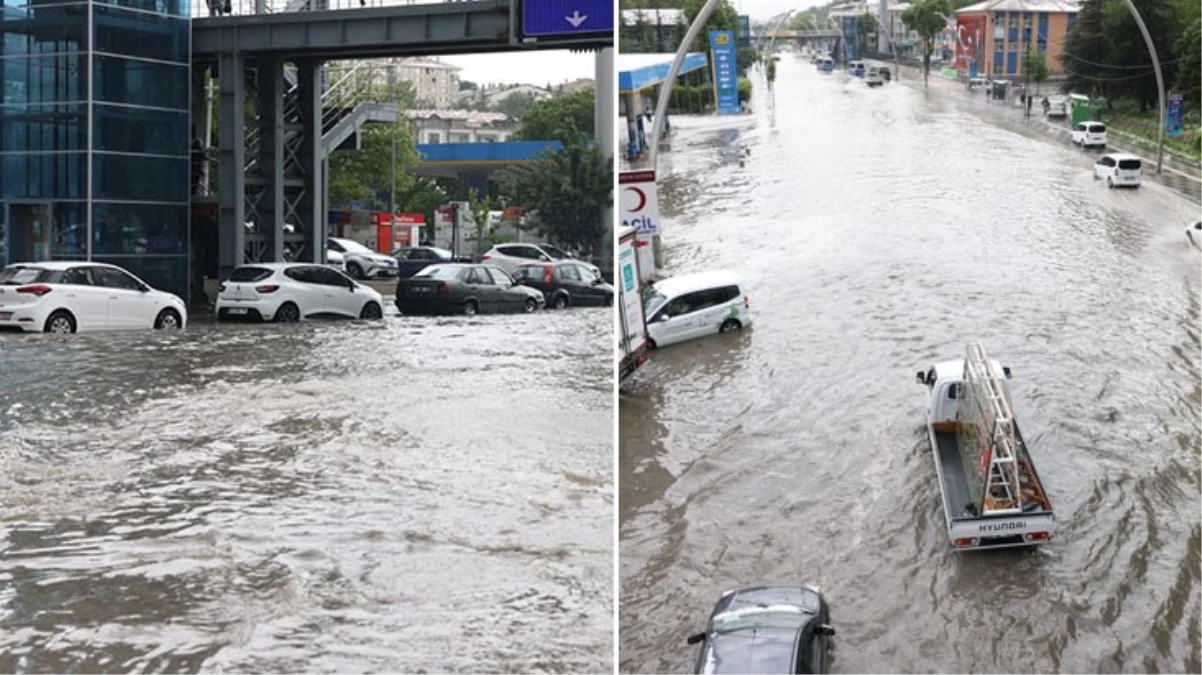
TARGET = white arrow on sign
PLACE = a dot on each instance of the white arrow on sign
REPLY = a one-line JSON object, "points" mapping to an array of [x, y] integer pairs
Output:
{"points": [[576, 19]]}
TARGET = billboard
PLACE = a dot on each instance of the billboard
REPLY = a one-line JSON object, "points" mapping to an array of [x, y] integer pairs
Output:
{"points": [[725, 70]]}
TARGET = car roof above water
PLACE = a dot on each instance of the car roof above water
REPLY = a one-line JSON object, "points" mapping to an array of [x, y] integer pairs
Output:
{"points": [[697, 281]]}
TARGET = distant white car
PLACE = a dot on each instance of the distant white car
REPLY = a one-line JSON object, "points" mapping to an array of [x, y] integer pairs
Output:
{"points": [[874, 78], [1119, 169], [1057, 107], [69, 297], [289, 292], [359, 261], [1089, 134]]}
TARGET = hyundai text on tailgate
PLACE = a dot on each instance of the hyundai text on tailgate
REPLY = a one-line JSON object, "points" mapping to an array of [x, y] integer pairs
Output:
{"points": [[992, 496]]}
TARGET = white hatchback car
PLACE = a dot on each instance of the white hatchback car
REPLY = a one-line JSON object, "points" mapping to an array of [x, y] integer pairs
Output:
{"points": [[1119, 168], [67, 297], [695, 305], [1087, 134], [289, 292]]}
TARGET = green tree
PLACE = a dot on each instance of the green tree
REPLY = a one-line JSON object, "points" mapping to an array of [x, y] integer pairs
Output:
{"points": [[1035, 66], [564, 194], [516, 105], [567, 119], [724, 17], [362, 175], [1188, 52], [1105, 52], [925, 17], [479, 207]]}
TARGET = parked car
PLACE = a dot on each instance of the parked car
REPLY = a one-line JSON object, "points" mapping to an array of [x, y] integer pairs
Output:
{"points": [[360, 261], [1118, 168], [766, 629], [289, 292], [459, 288], [69, 297], [694, 305], [509, 256], [1088, 134], [566, 282], [976, 82], [413, 259]]}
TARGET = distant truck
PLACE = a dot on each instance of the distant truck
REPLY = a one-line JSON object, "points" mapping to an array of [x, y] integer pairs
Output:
{"points": [[632, 335], [992, 496]]}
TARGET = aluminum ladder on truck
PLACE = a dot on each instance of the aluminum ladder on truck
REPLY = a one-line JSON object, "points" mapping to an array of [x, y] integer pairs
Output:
{"points": [[1003, 489]]}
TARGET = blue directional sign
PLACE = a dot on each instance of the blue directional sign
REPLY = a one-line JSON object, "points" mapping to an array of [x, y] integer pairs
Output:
{"points": [[548, 18], [726, 77]]}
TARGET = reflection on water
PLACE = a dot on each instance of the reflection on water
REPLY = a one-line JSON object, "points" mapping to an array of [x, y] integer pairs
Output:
{"points": [[879, 230], [311, 498]]}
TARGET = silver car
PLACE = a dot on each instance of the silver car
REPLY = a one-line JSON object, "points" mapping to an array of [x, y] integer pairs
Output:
{"points": [[360, 261], [509, 256]]}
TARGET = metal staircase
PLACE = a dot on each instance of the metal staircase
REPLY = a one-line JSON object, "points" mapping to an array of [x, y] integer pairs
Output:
{"points": [[346, 106]]}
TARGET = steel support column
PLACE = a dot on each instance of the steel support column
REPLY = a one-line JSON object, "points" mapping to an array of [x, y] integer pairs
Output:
{"points": [[271, 88], [232, 162], [605, 120], [309, 159]]}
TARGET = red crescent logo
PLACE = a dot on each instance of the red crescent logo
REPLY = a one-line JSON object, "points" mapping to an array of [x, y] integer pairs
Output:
{"points": [[642, 198]]}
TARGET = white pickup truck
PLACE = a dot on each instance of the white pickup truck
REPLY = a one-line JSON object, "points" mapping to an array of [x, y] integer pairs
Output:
{"points": [[992, 496]]}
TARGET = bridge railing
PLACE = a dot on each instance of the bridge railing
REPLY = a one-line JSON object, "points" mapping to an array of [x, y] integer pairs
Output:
{"points": [[206, 8]]}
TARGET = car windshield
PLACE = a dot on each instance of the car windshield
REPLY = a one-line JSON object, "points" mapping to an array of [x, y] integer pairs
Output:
{"points": [[774, 616], [438, 272], [16, 276], [442, 253], [355, 247], [250, 274], [652, 300]]}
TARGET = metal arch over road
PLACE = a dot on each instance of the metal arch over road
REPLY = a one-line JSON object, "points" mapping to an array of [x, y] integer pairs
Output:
{"points": [[472, 27]]}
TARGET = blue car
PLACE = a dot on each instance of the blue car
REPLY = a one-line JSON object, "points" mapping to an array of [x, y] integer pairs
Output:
{"points": [[857, 68]]}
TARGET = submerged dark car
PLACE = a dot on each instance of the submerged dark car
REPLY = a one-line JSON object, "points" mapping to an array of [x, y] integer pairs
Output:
{"points": [[464, 289], [566, 282], [766, 629]]}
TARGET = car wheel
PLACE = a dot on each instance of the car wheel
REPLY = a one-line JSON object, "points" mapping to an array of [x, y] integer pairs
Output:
{"points": [[354, 270], [609, 301], [60, 322], [651, 346], [168, 319], [532, 305], [470, 308], [287, 313], [561, 301], [371, 311], [729, 325]]}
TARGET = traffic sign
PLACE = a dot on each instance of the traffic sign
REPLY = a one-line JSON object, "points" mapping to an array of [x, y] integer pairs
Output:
{"points": [[551, 18], [640, 204]]}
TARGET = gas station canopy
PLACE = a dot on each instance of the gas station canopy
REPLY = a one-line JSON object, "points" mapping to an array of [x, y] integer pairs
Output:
{"points": [[639, 71]]}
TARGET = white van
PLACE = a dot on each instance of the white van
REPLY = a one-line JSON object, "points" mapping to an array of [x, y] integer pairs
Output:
{"points": [[694, 305], [1086, 134], [1119, 168], [1057, 107], [874, 78]]}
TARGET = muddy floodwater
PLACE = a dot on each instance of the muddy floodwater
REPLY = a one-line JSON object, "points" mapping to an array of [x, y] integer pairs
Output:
{"points": [[413, 495], [878, 231]]}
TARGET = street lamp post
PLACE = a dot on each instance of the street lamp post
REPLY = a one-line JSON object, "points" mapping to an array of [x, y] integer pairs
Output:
{"points": [[1159, 83]]}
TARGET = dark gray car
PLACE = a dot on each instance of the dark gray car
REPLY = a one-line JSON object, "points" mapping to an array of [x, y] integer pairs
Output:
{"points": [[766, 629], [464, 289]]}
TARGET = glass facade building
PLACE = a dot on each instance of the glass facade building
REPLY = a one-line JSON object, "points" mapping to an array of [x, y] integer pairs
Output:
{"points": [[95, 136]]}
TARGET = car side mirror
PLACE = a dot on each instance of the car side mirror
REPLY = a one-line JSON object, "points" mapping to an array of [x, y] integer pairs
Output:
{"points": [[825, 629], [544, 258], [921, 377], [695, 638], [1006, 371]]}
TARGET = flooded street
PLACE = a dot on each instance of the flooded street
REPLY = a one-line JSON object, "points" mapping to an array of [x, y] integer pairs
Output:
{"points": [[878, 231], [320, 497]]}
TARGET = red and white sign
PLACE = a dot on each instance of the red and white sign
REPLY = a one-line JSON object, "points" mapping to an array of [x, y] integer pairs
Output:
{"points": [[639, 201]]}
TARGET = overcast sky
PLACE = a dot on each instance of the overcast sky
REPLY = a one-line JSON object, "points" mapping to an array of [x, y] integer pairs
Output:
{"points": [[538, 68], [759, 10]]}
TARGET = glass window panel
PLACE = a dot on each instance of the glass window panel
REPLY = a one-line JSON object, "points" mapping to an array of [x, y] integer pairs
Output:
{"points": [[158, 132], [45, 29], [43, 128], [43, 176], [170, 7], [120, 80], [150, 36], [44, 79], [140, 178], [70, 230], [139, 229], [165, 273]]}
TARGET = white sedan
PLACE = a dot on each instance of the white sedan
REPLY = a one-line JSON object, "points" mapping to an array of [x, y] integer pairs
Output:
{"points": [[289, 292], [66, 297]]}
